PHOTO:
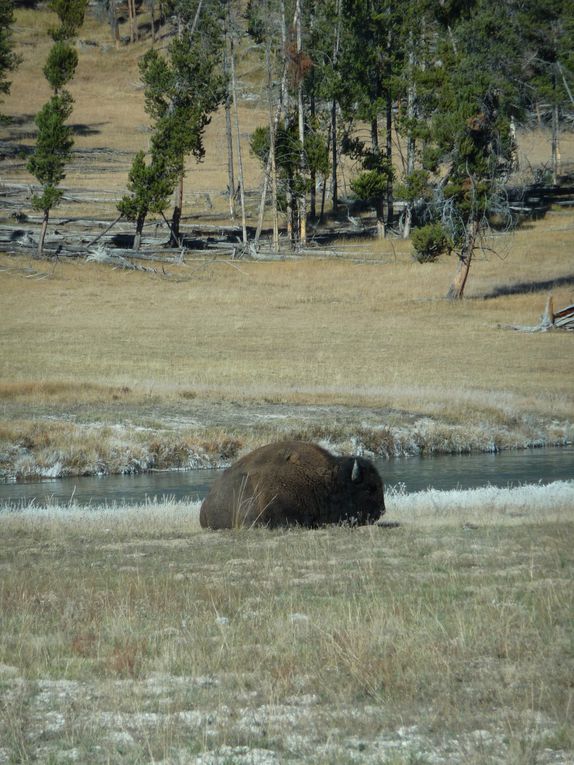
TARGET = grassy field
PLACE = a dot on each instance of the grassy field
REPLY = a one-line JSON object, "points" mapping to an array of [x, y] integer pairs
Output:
{"points": [[129, 635], [94, 358]]}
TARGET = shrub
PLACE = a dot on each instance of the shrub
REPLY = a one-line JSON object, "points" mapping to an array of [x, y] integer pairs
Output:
{"points": [[431, 241]]}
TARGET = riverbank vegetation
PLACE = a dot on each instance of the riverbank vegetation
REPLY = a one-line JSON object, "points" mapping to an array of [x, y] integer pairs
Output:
{"points": [[131, 635]]}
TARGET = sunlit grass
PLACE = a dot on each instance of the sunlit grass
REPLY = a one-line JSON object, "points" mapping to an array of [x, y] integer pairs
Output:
{"points": [[133, 635]]}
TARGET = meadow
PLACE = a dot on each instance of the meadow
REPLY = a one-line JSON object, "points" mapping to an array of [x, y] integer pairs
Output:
{"points": [[128, 634], [105, 370]]}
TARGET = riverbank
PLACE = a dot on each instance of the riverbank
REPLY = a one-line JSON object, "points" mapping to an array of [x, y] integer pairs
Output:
{"points": [[129, 438], [443, 639]]}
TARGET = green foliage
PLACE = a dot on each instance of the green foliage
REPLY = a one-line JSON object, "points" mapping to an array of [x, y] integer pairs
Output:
{"points": [[363, 61], [181, 92], [71, 16], [370, 184], [149, 186], [61, 65], [317, 153], [255, 15], [415, 186], [431, 241], [259, 143], [8, 60], [53, 149]]}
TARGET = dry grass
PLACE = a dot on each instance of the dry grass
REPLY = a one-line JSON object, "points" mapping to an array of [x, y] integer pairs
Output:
{"points": [[315, 327], [129, 635], [99, 347]]}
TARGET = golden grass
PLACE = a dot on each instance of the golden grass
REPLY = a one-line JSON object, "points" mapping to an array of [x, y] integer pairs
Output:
{"points": [[113, 371], [130, 635], [311, 328]]}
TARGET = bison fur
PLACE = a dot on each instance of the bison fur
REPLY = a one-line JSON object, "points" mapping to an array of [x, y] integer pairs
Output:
{"points": [[294, 483]]}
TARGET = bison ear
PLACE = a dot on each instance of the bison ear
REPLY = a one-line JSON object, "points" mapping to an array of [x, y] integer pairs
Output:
{"points": [[356, 475]]}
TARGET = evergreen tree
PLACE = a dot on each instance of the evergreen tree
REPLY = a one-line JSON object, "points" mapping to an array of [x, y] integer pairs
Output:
{"points": [[470, 128], [547, 29], [8, 59], [182, 89], [54, 142], [61, 65], [150, 187], [369, 47]]}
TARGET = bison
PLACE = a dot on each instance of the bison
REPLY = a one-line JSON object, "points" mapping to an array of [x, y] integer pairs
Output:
{"points": [[294, 483]]}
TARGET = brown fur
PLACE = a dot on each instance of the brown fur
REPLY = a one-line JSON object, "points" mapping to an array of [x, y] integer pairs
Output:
{"points": [[294, 483]]}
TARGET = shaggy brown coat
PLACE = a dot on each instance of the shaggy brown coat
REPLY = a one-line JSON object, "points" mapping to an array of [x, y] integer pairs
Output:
{"points": [[294, 483]]}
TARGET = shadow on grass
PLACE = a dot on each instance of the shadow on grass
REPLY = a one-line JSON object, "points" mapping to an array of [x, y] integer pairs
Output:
{"points": [[524, 287]]}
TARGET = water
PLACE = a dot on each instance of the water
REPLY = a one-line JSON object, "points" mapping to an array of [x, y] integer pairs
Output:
{"points": [[416, 473]]}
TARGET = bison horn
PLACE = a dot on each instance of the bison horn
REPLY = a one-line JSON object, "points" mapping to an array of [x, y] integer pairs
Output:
{"points": [[356, 474]]}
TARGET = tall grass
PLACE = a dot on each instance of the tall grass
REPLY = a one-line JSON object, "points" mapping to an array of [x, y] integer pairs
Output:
{"points": [[129, 635]]}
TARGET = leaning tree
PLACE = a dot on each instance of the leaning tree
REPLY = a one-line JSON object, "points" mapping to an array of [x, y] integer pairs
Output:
{"points": [[469, 152]]}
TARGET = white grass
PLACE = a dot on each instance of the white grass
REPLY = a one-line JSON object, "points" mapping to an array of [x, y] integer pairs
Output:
{"points": [[488, 505], [153, 516]]}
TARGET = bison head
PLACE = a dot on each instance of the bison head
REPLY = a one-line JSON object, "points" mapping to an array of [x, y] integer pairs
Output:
{"points": [[361, 491]]}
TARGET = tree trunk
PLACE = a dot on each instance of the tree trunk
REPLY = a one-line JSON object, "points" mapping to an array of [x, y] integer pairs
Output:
{"points": [[238, 139], [336, 45], [114, 26], [334, 181], [312, 172], [139, 229], [411, 142], [555, 147], [456, 290], [389, 124], [43, 233], [389, 149], [133, 21], [228, 129], [374, 135], [302, 200], [285, 104], [175, 239], [271, 165]]}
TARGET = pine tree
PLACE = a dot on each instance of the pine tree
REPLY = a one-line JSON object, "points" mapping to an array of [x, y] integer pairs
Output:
{"points": [[8, 59], [182, 89], [150, 187], [547, 28], [366, 65], [54, 142], [470, 129]]}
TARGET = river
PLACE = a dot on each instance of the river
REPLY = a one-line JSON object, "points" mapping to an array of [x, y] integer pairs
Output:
{"points": [[411, 473]]}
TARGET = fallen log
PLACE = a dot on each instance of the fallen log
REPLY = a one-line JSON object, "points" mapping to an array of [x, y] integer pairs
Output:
{"points": [[551, 319]]}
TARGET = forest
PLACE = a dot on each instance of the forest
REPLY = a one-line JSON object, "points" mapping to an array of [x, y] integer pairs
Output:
{"points": [[421, 100]]}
